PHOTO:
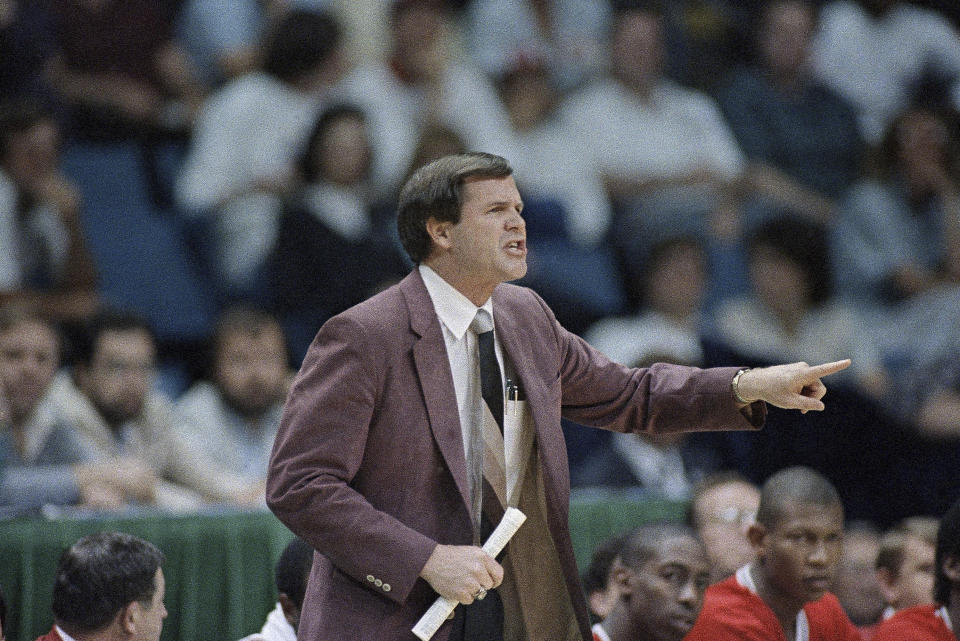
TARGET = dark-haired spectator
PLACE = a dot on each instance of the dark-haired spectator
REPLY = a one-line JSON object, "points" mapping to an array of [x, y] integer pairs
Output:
{"points": [[422, 80], [877, 53], [246, 140], [42, 460], [116, 412], [800, 137], [905, 563], [333, 250], [936, 621], [108, 586], [119, 71], [231, 419], [292, 572], [597, 579], [661, 574], [569, 35], [43, 254], [791, 309], [784, 594], [669, 292], [722, 508]]}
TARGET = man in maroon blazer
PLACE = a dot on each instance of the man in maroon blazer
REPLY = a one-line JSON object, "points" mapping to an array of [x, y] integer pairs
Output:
{"points": [[372, 464]]}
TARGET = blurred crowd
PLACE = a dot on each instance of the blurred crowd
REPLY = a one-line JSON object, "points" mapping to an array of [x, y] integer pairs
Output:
{"points": [[190, 188]]}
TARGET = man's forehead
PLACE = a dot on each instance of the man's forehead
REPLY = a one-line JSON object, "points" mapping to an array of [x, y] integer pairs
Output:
{"points": [[490, 188]]}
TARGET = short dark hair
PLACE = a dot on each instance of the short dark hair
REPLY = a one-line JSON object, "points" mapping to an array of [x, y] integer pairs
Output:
{"points": [[303, 40], [101, 574], [109, 320], [642, 544], [596, 574], [293, 570], [436, 190], [948, 545], [800, 484], [891, 552], [307, 163], [802, 241]]}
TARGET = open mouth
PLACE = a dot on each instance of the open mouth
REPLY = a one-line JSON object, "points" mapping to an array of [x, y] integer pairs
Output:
{"points": [[518, 246]]}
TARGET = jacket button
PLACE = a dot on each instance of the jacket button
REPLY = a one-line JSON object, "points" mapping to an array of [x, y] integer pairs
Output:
{"points": [[386, 587], [370, 578], [378, 583]]}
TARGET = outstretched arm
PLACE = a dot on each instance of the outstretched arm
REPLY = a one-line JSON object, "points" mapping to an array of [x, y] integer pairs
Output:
{"points": [[796, 386]]}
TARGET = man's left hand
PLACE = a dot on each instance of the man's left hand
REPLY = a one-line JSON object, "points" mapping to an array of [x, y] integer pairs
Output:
{"points": [[795, 386]]}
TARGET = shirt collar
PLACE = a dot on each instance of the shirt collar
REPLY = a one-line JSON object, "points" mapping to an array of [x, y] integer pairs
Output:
{"points": [[63, 635], [454, 310]]}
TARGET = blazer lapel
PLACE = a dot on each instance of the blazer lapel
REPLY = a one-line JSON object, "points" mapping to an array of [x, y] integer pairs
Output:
{"points": [[436, 380]]}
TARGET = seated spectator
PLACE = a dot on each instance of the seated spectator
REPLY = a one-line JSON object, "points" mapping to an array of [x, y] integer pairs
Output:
{"points": [[566, 209], [670, 293], [231, 419], [783, 594], [118, 70], [246, 139], [43, 254], [894, 230], [791, 310], [115, 413], [936, 621], [801, 138], [664, 151], [42, 460], [108, 586], [876, 53], [722, 508], [569, 35], [422, 81], [856, 585], [293, 570], [332, 251], [932, 396], [905, 563], [661, 574], [896, 244], [598, 583]]}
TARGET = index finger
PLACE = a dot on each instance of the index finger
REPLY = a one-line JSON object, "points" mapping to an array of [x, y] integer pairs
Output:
{"points": [[819, 371]]}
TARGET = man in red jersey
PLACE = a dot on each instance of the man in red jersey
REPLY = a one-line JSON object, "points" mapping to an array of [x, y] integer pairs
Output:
{"points": [[660, 576], [782, 595], [934, 621]]}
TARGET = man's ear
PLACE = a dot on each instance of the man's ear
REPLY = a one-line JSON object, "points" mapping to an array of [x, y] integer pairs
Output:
{"points": [[887, 585], [439, 232], [951, 569], [129, 617], [620, 576], [757, 535]]}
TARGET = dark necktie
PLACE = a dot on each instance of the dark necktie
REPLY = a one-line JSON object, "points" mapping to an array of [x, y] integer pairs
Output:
{"points": [[491, 384]]}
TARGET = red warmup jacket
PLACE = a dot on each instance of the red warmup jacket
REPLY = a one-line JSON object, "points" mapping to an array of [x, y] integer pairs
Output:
{"points": [[732, 611], [50, 636], [920, 623]]}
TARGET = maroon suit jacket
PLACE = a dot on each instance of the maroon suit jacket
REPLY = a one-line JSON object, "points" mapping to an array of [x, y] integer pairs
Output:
{"points": [[368, 464]]}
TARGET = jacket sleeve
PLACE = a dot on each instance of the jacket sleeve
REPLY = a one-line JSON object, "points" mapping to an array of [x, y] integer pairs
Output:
{"points": [[319, 449]]}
